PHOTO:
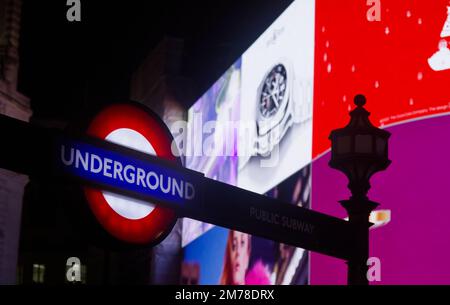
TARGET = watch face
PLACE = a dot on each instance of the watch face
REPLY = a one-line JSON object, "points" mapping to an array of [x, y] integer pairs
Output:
{"points": [[273, 91]]}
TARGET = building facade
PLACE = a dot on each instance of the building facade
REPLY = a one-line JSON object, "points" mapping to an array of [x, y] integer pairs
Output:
{"points": [[158, 83], [14, 104]]}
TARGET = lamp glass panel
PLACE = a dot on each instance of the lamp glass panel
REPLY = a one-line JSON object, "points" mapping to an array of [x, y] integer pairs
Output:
{"points": [[381, 146], [343, 144], [363, 144]]}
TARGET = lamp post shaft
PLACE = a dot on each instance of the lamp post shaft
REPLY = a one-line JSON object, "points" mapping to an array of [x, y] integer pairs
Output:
{"points": [[357, 264], [359, 211]]}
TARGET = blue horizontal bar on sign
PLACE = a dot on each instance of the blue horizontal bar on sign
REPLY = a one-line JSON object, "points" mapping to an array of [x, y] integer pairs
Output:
{"points": [[126, 173]]}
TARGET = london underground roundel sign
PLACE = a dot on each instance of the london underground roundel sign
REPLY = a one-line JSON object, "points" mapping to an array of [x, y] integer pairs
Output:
{"points": [[127, 219]]}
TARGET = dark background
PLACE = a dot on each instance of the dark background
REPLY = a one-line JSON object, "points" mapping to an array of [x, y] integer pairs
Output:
{"points": [[69, 67]]}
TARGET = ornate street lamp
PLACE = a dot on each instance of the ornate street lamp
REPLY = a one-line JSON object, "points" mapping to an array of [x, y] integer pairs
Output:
{"points": [[359, 150]]}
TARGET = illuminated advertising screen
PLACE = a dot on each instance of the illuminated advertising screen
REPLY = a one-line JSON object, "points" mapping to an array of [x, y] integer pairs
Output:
{"points": [[265, 125], [401, 63], [255, 127]]}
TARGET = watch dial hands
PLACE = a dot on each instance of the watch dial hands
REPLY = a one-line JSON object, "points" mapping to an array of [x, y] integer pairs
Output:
{"points": [[273, 91]]}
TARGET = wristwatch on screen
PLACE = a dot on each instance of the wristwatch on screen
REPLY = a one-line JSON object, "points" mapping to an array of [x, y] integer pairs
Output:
{"points": [[278, 107]]}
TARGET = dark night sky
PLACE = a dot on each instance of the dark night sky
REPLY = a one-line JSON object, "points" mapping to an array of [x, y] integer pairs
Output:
{"points": [[66, 67]]}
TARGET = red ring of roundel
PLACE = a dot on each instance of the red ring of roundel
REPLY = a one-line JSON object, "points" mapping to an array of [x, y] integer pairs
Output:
{"points": [[138, 231]]}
